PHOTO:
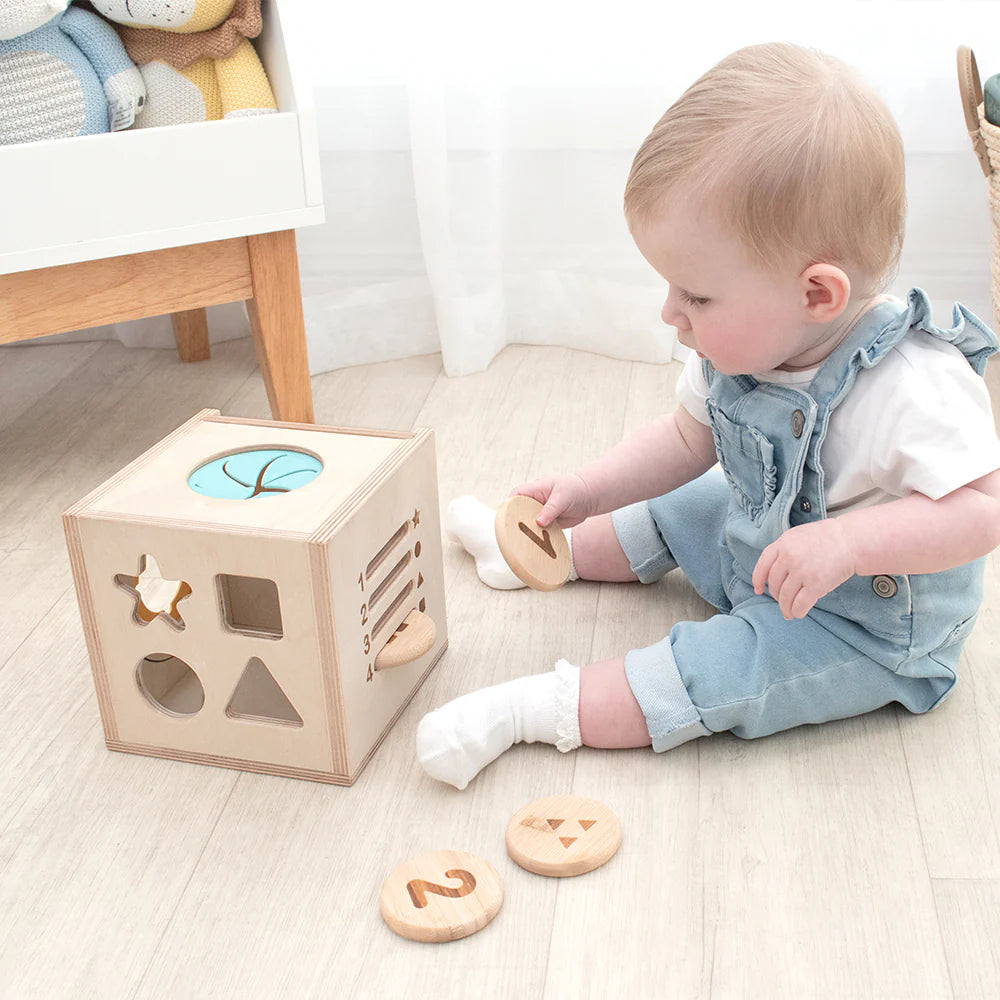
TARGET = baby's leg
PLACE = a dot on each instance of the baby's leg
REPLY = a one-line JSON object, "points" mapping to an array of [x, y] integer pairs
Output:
{"points": [[610, 716], [567, 707], [597, 553], [632, 543], [593, 545]]}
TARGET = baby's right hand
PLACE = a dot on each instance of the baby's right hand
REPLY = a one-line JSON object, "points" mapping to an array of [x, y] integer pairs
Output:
{"points": [[565, 498]]}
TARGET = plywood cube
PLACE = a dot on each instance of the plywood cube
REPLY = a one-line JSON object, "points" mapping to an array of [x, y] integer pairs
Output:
{"points": [[270, 626]]}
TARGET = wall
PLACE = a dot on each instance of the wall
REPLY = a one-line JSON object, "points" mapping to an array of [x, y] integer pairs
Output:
{"points": [[567, 95]]}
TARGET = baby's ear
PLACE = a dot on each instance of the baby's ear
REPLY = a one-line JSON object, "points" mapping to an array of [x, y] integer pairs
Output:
{"points": [[826, 291]]}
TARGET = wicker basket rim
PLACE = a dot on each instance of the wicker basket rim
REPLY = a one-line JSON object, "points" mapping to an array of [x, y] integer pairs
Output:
{"points": [[990, 132]]}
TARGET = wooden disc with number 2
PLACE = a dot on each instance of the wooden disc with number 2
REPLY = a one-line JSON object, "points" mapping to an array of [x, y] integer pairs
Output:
{"points": [[441, 896], [538, 556]]}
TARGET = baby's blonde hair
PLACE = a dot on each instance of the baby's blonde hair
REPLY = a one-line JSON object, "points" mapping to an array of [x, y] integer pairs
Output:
{"points": [[801, 158]]}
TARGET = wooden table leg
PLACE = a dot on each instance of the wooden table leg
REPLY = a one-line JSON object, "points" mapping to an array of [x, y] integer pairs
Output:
{"points": [[279, 329], [191, 334]]}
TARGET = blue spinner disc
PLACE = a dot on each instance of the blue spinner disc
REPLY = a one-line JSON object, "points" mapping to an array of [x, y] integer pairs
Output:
{"points": [[264, 472]]}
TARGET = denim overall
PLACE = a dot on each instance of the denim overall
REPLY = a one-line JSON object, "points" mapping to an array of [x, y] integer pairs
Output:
{"points": [[869, 642]]}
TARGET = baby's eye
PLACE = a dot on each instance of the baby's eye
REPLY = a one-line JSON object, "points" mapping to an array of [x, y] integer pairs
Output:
{"points": [[694, 300]]}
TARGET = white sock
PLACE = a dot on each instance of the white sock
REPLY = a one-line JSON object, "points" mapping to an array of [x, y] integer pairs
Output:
{"points": [[470, 522], [456, 741]]}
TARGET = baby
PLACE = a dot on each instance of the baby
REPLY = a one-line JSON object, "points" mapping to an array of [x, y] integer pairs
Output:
{"points": [[857, 491]]}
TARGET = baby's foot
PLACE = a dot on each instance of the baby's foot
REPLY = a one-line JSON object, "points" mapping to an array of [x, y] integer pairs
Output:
{"points": [[456, 741], [471, 523]]}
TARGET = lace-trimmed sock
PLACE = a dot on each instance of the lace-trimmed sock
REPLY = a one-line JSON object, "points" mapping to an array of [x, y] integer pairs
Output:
{"points": [[455, 742]]}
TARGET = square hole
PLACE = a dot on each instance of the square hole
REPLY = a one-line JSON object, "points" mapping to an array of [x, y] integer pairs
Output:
{"points": [[250, 605]]}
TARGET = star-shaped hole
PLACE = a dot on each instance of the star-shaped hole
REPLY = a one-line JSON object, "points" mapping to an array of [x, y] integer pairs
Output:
{"points": [[154, 595]]}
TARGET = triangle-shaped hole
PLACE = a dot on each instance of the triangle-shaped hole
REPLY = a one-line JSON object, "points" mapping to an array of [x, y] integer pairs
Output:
{"points": [[258, 698]]}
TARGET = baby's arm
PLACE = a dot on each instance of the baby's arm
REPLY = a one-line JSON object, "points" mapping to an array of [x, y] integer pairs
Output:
{"points": [[659, 457], [912, 535], [919, 535]]}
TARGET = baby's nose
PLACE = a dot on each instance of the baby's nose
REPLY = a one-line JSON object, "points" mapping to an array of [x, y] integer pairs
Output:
{"points": [[673, 317]]}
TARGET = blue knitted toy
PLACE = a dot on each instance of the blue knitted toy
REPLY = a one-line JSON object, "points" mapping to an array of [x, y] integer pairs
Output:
{"points": [[62, 73], [991, 99]]}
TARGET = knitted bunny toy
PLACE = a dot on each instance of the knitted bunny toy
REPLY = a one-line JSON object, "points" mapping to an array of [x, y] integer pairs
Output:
{"points": [[62, 73], [195, 57]]}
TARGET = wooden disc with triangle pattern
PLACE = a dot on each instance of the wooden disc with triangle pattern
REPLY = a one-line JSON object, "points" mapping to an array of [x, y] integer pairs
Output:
{"points": [[563, 835]]}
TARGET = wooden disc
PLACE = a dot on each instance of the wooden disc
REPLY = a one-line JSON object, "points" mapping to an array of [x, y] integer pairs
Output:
{"points": [[563, 835], [538, 556], [441, 896], [411, 640]]}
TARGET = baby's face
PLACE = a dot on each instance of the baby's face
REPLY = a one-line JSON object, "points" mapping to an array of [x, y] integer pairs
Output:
{"points": [[723, 304]]}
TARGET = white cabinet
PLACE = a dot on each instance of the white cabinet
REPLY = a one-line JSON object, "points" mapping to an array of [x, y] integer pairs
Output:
{"points": [[109, 227]]}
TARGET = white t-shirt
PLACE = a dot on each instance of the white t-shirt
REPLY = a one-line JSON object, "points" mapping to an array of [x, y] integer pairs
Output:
{"points": [[919, 421]]}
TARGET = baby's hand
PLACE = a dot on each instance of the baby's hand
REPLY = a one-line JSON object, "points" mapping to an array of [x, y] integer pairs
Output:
{"points": [[805, 563], [566, 498]]}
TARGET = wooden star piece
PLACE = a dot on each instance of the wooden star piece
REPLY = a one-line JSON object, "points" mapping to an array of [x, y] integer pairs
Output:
{"points": [[154, 595]]}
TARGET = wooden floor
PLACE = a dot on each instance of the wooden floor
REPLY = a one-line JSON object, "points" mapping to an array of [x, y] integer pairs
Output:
{"points": [[856, 859]]}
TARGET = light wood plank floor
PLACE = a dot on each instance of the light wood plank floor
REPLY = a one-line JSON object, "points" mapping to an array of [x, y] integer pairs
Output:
{"points": [[857, 859]]}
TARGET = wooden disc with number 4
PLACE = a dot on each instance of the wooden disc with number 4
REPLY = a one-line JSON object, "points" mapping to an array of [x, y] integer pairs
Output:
{"points": [[538, 556], [441, 896], [563, 835]]}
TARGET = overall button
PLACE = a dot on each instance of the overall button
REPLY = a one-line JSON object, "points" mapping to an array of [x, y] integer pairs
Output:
{"points": [[804, 505], [798, 422], [884, 586]]}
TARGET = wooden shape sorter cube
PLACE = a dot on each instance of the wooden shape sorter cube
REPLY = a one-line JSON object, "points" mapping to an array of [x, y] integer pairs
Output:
{"points": [[239, 580]]}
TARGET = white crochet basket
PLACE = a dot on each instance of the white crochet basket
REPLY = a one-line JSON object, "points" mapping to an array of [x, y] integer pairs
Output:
{"points": [[986, 145], [91, 197]]}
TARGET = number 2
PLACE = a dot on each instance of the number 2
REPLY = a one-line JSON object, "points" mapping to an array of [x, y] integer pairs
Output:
{"points": [[418, 887]]}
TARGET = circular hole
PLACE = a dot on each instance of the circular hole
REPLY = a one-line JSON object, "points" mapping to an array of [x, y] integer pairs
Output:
{"points": [[258, 472], [170, 685]]}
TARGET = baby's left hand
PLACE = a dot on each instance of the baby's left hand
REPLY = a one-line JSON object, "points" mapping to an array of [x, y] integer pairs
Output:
{"points": [[805, 563]]}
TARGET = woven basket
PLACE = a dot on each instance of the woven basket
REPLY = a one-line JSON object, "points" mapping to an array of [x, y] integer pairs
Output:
{"points": [[986, 145]]}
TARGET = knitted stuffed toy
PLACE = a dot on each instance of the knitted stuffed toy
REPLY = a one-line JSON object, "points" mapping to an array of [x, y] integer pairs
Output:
{"points": [[62, 73], [194, 57], [991, 98]]}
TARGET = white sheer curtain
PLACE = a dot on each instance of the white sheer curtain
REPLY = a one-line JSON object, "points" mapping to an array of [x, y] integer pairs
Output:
{"points": [[494, 226], [474, 159]]}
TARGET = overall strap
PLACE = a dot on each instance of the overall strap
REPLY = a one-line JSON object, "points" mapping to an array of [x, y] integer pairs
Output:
{"points": [[968, 332], [885, 326], [876, 334]]}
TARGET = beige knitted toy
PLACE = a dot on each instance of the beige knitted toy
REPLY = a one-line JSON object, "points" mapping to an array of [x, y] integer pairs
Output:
{"points": [[194, 57]]}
